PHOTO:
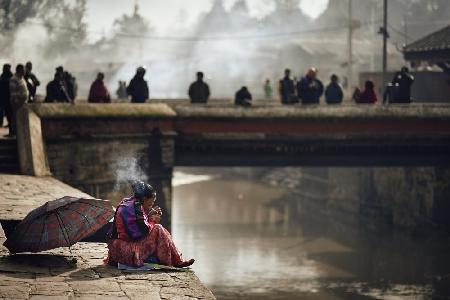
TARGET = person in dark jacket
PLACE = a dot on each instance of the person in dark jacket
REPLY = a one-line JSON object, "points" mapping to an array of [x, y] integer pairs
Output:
{"points": [[98, 92], [57, 89], [287, 89], [32, 82], [138, 87], [403, 80], [243, 97], [70, 85], [5, 105], [199, 90], [368, 96], [18, 96], [333, 92], [309, 88]]}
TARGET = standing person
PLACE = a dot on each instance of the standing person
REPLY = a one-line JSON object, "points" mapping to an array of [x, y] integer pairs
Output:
{"points": [[122, 90], [138, 87], [199, 90], [390, 93], [18, 95], [98, 92], [309, 88], [57, 89], [403, 80], [368, 96], [70, 83], [333, 92], [5, 105], [268, 89], [32, 82], [243, 97], [287, 89], [137, 236], [72, 86]]}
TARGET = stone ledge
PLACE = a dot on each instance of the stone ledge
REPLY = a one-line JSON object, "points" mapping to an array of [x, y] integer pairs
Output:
{"points": [[116, 110], [319, 112], [170, 109]]}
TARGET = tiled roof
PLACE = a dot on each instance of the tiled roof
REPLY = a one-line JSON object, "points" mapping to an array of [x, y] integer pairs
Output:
{"points": [[436, 41]]}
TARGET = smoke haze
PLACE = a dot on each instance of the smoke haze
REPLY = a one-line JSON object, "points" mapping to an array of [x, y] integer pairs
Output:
{"points": [[234, 42]]}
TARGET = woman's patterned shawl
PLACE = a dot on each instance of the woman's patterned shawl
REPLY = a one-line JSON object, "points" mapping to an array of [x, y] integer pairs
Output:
{"points": [[130, 222]]}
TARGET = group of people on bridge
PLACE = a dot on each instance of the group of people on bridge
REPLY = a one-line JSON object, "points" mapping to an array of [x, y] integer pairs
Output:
{"points": [[15, 90], [309, 89], [20, 88]]}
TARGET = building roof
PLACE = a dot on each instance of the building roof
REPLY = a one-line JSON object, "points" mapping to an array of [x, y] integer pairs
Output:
{"points": [[433, 47]]}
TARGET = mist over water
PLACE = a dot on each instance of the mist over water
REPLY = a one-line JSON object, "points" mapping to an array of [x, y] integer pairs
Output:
{"points": [[249, 244]]}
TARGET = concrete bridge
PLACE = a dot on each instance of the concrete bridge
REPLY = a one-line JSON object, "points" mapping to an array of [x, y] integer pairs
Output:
{"points": [[92, 146]]}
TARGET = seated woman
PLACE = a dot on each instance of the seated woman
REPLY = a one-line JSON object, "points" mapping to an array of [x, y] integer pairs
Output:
{"points": [[368, 96], [136, 235]]}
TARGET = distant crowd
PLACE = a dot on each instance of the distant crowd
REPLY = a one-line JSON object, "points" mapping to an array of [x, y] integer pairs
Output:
{"points": [[309, 89], [20, 88]]}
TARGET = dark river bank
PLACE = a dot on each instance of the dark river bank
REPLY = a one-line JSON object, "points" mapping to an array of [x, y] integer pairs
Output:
{"points": [[247, 247]]}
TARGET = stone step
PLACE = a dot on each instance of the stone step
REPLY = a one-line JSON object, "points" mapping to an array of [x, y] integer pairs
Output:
{"points": [[9, 169], [9, 161], [8, 151]]}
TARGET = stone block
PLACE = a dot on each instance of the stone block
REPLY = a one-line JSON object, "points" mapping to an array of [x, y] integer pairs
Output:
{"points": [[51, 297], [32, 155]]}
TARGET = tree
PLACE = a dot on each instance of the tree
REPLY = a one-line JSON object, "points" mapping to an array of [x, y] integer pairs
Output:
{"points": [[15, 12], [12, 14], [65, 26], [62, 20]]}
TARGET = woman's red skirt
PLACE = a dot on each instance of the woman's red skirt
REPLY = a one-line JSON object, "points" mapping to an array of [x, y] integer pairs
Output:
{"points": [[157, 243]]}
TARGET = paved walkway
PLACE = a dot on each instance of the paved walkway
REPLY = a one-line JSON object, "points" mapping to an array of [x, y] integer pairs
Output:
{"points": [[53, 275], [20, 194]]}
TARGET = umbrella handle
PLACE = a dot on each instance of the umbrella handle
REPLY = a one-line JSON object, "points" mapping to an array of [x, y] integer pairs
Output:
{"points": [[73, 259]]}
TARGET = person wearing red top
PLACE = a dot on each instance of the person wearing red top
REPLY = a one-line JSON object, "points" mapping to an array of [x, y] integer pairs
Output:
{"points": [[368, 96], [99, 92]]}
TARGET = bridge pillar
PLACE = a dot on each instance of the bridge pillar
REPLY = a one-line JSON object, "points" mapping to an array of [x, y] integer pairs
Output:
{"points": [[161, 153]]}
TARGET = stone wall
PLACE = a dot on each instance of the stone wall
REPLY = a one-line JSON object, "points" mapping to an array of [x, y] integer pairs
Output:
{"points": [[105, 166], [99, 166], [415, 200]]}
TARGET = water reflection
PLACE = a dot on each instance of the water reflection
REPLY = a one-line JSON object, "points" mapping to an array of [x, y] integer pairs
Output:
{"points": [[247, 247]]}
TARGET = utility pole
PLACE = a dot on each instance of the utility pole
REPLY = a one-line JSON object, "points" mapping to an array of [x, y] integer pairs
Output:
{"points": [[405, 24], [385, 34], [350, 45]]}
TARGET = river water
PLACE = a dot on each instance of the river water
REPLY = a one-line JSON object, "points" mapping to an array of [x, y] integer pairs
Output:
{"points": [[248, 248]]}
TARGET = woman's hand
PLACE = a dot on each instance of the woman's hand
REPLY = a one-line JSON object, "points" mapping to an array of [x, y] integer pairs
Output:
{"points": [[155, 214], [156, 210]]}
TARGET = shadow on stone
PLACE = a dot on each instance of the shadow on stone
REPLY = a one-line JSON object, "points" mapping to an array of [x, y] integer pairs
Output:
{"points": [[43, 265], [41, 260]]}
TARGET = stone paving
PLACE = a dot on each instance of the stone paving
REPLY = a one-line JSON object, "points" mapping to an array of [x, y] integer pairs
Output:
{"points": [[54, 274], [20, 194]]}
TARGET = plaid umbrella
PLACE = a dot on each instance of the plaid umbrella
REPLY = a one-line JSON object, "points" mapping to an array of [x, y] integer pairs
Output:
{"points": [[59, 223]]}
